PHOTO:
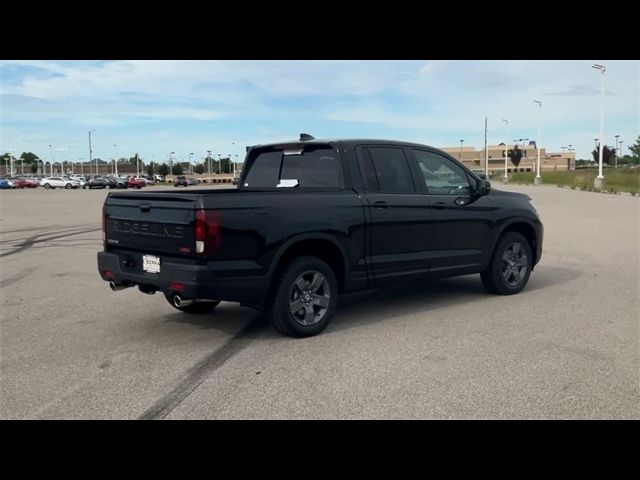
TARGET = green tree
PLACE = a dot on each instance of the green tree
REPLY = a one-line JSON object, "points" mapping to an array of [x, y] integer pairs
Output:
{"points": [[608, 155], [635, 151], [163, 170], [151, 168], [29, 157], [199, 168], [177, 169], [515, 154], [34, 167]]}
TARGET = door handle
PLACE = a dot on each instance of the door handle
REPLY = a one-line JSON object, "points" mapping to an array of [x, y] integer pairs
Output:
{"points": [[380, 205], [440, 205]]}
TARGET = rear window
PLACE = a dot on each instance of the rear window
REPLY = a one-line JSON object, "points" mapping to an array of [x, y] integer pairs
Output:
{"points": [[313, 167]]}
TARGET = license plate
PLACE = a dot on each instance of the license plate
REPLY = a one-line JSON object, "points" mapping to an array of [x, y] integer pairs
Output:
{"points": [[151, 263]]}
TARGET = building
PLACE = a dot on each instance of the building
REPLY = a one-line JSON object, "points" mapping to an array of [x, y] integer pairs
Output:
{"points": [[549, 161]]}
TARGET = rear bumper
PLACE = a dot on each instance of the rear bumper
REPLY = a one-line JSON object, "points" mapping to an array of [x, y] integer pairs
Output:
{"points": [[198, 281]]}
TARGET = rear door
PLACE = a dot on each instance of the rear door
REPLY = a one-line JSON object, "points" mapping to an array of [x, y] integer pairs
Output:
{"points": [[399, 219], [151, 224]]}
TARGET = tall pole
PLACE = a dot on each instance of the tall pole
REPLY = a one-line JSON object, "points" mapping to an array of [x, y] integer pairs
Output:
{"points": [[209, 161], [505, 179], [599, 181], [616, 160], [538, 179], [486, 150], [137, 165], [219, 164], [91, 155], [461, 142], [51, 159], [115, 158], [619, 152]]}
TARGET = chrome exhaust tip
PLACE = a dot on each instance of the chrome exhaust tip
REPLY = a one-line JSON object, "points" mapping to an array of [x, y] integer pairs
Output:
{"points": [[117, 287], [180, 302]]}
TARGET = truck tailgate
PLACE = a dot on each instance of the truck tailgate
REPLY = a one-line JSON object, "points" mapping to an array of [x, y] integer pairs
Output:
{"points": [[151, 223]]}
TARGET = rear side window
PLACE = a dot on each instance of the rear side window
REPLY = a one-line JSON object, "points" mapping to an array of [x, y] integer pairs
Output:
{"points": [[313, 167], [390, 170]]}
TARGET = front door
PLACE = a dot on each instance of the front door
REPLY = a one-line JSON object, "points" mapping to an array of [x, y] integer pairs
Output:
{"points": [[461, 224]]}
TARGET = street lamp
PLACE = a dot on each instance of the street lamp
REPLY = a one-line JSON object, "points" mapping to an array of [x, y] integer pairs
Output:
{"points": [[115, 158], [599, 181], [563, 149], [190, 163], [505, 179], [219, 164], [51, 159], [616, 160], [538, 179], [91, 155], [461, 142], [619, 152], [209, 161]]}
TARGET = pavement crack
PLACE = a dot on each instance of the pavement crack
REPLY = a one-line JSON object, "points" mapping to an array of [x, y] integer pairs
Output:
{"points": [[203, 370]]}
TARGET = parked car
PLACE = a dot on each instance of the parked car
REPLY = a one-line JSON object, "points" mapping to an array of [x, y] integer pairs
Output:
{"points": [[312, 219], [185, 181], [101, 182], [59, 182], [236, 180], [25, 183], [4, 184], [158, 178], [134, 182]]}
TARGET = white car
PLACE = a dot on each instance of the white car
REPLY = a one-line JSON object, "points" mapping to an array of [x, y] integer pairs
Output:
{"points": [[59, 182]]}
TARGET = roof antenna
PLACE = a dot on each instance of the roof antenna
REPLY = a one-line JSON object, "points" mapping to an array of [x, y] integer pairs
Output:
{"points": [[305, 137]]}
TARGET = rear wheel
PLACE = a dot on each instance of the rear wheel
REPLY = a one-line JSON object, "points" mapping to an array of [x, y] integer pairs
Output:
{"points": [[305, 298], [67, 186], [510, 266], [47, 186], [198, 307]]}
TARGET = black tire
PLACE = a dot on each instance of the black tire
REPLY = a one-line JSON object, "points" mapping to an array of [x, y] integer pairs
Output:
{"points": [[194, 308], [68, 186], [47, 186], [506, 276], [284, 297]]}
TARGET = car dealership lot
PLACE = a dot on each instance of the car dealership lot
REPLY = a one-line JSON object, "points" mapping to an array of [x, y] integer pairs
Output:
{"points": [[566, 347]]}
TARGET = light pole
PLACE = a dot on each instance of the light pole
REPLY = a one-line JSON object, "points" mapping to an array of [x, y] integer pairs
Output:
{"points": [[616, 160], [505, 179], [235, 165], [209, 161], [91, 155], [219, 164], [563, 149], [61, 150], [619, 152], [11, 161], [115, 158], [191, 162], [461, 142], [171, 154], [599, 181], [81, 166], [538, 179], [51, 159]]}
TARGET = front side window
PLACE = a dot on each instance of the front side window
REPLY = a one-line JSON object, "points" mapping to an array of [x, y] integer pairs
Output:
{"points": [[441, 175], [312, 167]]}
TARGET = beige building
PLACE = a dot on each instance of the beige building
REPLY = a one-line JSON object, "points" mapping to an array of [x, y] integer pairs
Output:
{"points": [[550, 161]]}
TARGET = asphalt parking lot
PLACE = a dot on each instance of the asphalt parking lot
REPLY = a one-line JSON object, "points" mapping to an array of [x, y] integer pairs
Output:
{"points": [[567, 347]]}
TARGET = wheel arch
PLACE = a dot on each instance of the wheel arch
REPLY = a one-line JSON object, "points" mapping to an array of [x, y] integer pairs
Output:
{"points": [[318, 245], [526, 229]]}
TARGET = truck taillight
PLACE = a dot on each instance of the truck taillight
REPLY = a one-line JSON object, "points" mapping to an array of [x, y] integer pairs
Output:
{"points": [[207, 230], [104, 225]]}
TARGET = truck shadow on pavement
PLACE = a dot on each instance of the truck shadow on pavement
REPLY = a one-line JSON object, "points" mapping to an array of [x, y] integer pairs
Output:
{"points": [[362, 308], [359, 309]]}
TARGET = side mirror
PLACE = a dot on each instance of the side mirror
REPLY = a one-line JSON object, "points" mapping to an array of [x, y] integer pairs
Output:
{"points": [[483, 187], [482, 176]]}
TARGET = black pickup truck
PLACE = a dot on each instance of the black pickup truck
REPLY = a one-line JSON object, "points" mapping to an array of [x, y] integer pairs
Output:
{"points": [[311, 219]]}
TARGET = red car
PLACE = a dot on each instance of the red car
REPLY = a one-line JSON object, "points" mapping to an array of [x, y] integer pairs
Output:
{"points": [[136, 182], [25, 183]]}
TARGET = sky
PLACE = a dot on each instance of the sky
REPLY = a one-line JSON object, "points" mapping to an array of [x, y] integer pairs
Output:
{"points": [[156, 107]]}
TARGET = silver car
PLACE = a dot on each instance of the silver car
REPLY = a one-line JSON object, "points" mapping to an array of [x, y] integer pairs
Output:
{"points": [[59, 182]]}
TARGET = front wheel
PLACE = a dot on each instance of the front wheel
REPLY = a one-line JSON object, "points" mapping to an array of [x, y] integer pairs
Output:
{"points": [[194, 308], [510, 266], [47, 186], [67, 186], [305, 298]]}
